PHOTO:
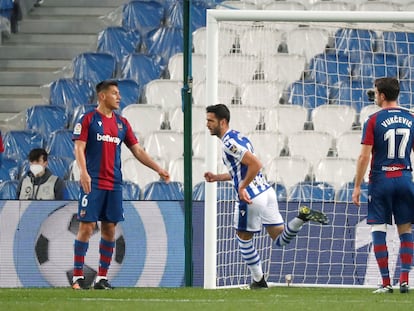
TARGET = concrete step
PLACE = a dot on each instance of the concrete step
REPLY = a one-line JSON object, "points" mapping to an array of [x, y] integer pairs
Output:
{"points": [[82, 3], [50, 51], [33, 38], [17, 104], [69, 10], [69, 25], [25, 91], [49, 64], [28, 78]]}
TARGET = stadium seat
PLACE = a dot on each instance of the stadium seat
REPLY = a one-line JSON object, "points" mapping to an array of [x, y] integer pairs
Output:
{"points": [[406, 98], [335, 119], [332, 6], [4, 174], [176, 169], [377, 5], [94, 67], [141, 68], [307, 41], [366, 112], [60, 144], [71, 93], [399, 43], [304, 144], [164, 92], [348, 144], [72, 190], [18, 143], [284, 67], [130, 191], [226, 93], [344, 194], [227, 41], [245, 118], [330, 67], [261, 40], [59, 166], [367, 65], [165, 144], [199, 144], [8, 189], [352, 93], [143, 118], [130, 92], [143, 16], [174, 14], [311, 192], [78, 113], [74, 173], [12, 167], [161, 191], [46, 118], [267, 144], [288, 170], [119, 42], [198, 65], [308, 93], [285, 5], [348, 39], [285, 118], [137, 173], [335, 171], [261, 93], [164, 42], [225, 191], [176, 119], [246, 66]]}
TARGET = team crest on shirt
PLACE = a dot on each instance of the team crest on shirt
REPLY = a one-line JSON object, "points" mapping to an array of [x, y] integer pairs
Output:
{"points": [[120, 126], [77, 129], [233, 148]]}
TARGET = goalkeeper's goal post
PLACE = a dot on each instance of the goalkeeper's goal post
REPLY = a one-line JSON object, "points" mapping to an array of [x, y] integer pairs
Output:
{"points": [[301, 81]]}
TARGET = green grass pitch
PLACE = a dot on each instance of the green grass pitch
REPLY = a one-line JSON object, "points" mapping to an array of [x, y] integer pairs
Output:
{"points": [[182, 299]]}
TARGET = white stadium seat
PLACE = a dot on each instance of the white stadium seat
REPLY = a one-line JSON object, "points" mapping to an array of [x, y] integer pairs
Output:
{"points": [[335, 119]]}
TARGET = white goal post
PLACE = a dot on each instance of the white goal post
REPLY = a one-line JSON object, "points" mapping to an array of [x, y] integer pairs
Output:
{"points": [[214, 17]]}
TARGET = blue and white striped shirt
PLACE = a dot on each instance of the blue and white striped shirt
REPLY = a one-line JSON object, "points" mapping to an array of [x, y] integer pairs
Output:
{"points": [[235, 145]]}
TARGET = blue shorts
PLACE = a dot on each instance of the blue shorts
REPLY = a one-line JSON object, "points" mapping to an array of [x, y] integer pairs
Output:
{"points": [[101, 205], [389, 197]]}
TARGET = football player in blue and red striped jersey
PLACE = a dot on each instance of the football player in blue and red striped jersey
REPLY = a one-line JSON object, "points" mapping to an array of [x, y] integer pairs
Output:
{"points": [[98, 136], [387, 139]]}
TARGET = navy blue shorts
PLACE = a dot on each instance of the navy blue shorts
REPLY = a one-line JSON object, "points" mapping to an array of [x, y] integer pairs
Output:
{"points": [[389, 197], [101, 205]]}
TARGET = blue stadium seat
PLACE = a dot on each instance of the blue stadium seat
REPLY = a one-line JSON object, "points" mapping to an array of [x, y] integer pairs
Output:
{"points": [[330, 67], [18, 143], [130, 191], [12, 166], [308, 93], [130, 92], [78, 112], [60, 144], [46, 118], [72, 190], [352, 93], [399, 43], [347, 39], [141, 68], [4, 174], [225, 191], [6, 8], [367, 65], [344, 194], [174, 14], [161, 191], [143, 16], [119, 42], [94, 67], [406, 98], [311, 192], [71, 93], [164, 42], [8, 189]]}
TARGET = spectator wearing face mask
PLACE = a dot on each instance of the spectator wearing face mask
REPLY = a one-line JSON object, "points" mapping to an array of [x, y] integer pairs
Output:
{"points": [[39, 183]]}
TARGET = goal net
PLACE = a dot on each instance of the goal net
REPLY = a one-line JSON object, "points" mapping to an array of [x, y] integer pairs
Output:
{"points": [[297, 84]]}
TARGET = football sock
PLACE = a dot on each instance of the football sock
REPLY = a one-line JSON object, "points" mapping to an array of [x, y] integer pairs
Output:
{"points": [[289, 232], [80, 249], [251, 258], [406, 255], [106, 249], [381, 254]]}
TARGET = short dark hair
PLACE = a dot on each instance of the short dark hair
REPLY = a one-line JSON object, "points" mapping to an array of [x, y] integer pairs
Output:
{"points": [[36, 154], [104, 85], [220, 110], [390, 87]]}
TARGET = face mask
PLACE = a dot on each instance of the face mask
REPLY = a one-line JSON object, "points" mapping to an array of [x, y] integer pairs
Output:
{"points": [[36, 169]]}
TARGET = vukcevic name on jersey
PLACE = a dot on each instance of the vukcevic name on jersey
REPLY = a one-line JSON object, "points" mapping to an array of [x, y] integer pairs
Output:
{"points": [[103, 137], [235, 146], [391, 129]]}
